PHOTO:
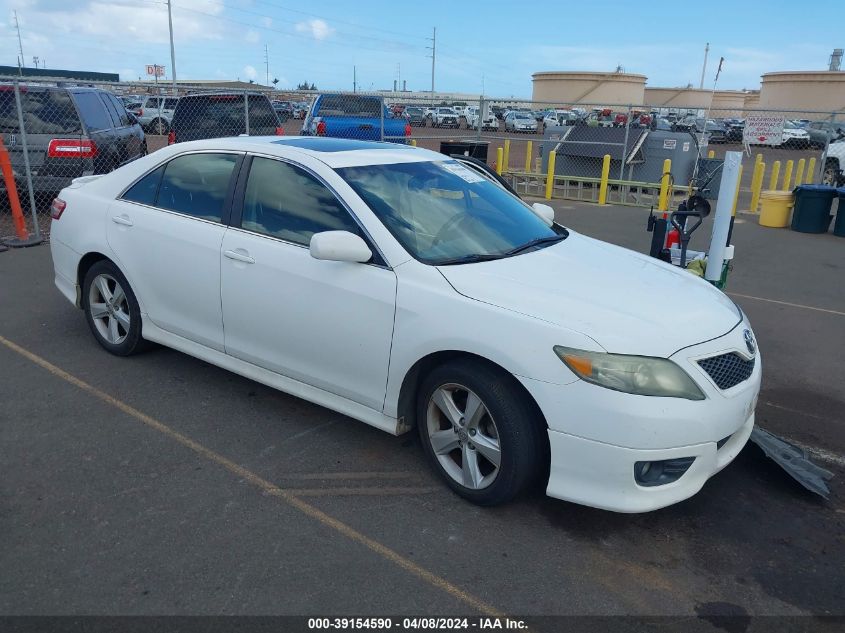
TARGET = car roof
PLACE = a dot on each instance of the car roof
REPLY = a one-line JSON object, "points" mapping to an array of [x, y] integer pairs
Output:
{"points": [[334, 152]]}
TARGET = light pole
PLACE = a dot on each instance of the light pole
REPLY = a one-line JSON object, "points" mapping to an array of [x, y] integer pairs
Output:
{"points": [[172, 49]]}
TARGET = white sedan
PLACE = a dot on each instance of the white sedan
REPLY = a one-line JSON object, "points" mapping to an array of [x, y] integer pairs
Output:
{"points": [[403, 288]]}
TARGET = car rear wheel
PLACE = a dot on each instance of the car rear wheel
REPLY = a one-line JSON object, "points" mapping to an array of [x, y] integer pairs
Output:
{"points": [[112, 310], [479, 431]]}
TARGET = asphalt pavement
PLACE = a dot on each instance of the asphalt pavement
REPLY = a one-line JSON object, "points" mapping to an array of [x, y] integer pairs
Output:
{"points": [[160, 484]]}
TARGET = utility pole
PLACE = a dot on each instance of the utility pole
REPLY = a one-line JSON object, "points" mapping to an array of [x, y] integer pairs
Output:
{"points": [[21, 62], [354, 79], [704, 66], [267, 63], [35, 60], [433, 49], [172, 49]]}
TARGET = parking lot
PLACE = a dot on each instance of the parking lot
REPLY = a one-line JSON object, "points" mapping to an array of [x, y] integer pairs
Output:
{"points": [[160, 484]]}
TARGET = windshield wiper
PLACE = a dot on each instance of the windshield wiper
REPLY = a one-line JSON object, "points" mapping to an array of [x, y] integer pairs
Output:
{"points": [[468, 259], [550, 239]]}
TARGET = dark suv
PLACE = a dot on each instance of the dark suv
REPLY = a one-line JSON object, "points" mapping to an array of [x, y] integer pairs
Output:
{"points": [[70, 132], [219, 114]]}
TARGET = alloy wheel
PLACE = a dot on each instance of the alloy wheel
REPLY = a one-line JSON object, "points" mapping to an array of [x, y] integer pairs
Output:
{"points": [[463, 436], [109, 309]]}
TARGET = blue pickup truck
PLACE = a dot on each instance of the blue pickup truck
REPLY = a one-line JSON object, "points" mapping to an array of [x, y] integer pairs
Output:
{"points": [[354, 116]]}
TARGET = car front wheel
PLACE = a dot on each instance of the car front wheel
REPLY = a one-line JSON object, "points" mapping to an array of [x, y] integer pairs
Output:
{"points": [[112, 310], [480, 431]]}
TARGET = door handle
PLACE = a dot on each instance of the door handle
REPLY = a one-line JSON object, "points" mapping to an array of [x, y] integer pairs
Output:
{"points": [[239, 255], [122, 219]]}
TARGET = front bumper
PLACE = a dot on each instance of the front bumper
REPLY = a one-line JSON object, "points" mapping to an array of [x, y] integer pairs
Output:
{"points": [[597, 435]]}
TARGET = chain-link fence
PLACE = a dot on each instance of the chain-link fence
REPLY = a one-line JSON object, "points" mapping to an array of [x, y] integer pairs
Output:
{"points": [[55, 132]]}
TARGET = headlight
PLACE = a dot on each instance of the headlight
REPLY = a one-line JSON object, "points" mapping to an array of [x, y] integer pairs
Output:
{"points": [[641, 375]]}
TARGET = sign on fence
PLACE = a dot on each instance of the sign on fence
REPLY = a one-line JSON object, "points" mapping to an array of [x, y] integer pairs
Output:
{"points": [[763, 129], [154, 70]]}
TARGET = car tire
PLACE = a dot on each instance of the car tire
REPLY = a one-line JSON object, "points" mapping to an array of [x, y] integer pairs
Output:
{"points": [[111, 310], [507, 424], [153, 127], [829, 174]]}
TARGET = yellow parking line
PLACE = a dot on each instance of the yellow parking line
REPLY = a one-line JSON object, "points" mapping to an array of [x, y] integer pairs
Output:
{"points": [[787, 303], [270, 488], [368, 491]]}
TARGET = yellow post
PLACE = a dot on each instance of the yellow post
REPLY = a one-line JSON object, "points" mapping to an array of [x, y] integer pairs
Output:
{"points": [[507, 157], [799, 173], [663, 200], [757, 184], [711, 154], [736, 195], [414, 142], [528, 151], [773, 181], [605, 173], [811, 170], [787, 176], [499, 160], [550, 175]]}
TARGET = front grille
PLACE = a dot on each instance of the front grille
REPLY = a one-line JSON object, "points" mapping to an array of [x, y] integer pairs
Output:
{"points": [[727, 370]]}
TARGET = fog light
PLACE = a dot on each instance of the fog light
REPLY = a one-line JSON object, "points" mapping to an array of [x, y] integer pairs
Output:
{"points": [[660, 473]]}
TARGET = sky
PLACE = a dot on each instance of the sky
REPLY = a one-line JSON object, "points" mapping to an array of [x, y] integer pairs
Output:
{"points": [[482, 47]]}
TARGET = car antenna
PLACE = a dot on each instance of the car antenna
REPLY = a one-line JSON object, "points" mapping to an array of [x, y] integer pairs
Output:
{"points": [[706, 118]]}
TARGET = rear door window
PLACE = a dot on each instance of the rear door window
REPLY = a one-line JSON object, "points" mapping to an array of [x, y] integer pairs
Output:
{"points": [[170, 104], [350, 106], [219, 115], [44, 112], [93, 111], [111, 109], [197, 184], [261, 115]]}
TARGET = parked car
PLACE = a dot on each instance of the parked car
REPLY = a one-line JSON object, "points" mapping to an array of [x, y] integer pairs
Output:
{"points": [[70, 132], [499, 111], [715, 131], [155, 114], [661, 124], [300, 110], [353, 116], [822, 132], [490, 122], [835, 164], [284, 109], [518, 121], [218, 114], [334, 286], [734, 129], [795, 136], [415, 116], [444, 117]]}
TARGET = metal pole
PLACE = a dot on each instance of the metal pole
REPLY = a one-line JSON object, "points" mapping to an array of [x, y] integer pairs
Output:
{"points": [[267, 64], [625, 145], [381, 119], [722, 221], [172, 49], [354, 79], [246, 111], [20, 46], [433, 57], [704, 66], [26, 163]]}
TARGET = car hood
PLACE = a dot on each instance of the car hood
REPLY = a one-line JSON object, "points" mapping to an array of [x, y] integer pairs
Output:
{"points": [[627, 302]]}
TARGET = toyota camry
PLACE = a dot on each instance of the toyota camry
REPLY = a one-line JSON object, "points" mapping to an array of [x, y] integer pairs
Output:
{"points": [[407, 289]]}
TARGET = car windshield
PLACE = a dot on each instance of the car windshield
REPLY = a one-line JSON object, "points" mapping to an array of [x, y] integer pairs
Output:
{"points": [[443, 213], [349, 106], [522, 115]]}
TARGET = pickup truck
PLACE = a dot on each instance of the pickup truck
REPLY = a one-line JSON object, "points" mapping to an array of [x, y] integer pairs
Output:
{"points": [[356, 117]]}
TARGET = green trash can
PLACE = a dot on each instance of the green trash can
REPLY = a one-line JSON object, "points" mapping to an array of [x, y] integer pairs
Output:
{"points": [[839, 225], [811, 213]]}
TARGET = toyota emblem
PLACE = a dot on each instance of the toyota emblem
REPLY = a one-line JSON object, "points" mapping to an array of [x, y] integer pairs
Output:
{"points": [[749, 342]]}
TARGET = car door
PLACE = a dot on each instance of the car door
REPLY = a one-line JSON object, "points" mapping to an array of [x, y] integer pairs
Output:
{"points": [[327, 324], [166, 231], [100, 127]]}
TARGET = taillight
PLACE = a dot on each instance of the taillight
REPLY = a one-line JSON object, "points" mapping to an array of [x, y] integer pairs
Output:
{"points": [[280, 131], [408, 130], [321, 128], [171, 137], [57, 208], [71, 148]]}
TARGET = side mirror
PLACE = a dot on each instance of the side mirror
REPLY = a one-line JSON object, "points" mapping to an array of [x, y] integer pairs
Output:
{"points": [[545, 212], [339, 246]]}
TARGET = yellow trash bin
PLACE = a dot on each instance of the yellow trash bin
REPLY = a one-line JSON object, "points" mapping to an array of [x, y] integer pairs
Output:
{"points": [[775, 207]]}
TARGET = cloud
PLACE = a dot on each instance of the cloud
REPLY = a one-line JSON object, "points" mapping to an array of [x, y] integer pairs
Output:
{"points": [[266, 22], [318, 29], [252, 37], [250, 72]]}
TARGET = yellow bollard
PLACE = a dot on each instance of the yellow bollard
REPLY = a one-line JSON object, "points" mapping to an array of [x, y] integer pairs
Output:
{"points": [[663, 200], [711, 154], [757, 184], [811, 171], [773, 181], [528, 151], [799, 172], [736, 195], [787, 176], [414, 142], [499, 160], [550, 175], [507, 157], [605, 173]]}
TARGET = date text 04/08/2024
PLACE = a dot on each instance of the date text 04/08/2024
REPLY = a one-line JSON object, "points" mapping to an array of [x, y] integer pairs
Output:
{"points": [[416, 623]]}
